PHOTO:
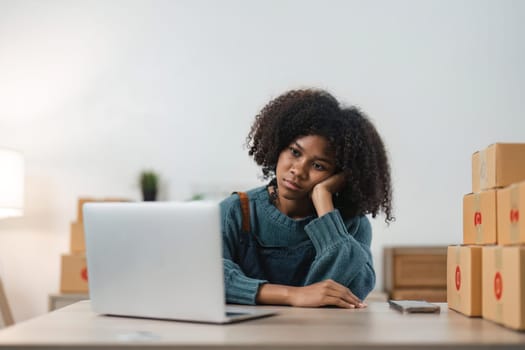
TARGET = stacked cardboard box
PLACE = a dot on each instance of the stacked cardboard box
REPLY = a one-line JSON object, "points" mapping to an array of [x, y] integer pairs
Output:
{"points": [[486, 275], [74, 276]]}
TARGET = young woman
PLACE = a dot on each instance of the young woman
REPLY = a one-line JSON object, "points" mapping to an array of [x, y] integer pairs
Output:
{"points": [[304, 239]]}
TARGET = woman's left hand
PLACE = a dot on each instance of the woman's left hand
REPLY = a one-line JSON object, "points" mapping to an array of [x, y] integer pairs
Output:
{"points": [[332, 184]]}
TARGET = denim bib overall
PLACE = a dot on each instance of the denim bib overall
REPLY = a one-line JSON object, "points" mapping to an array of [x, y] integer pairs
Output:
{"points": [[278, 265]]}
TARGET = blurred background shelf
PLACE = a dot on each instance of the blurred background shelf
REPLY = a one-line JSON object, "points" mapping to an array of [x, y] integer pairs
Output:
{"points": [[416, 273], [57, 301]]}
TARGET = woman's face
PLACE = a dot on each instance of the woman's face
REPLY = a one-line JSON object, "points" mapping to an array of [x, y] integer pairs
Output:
{"points": [[303, 164]]}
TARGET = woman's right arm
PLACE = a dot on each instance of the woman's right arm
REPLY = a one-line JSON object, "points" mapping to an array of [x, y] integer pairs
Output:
{"points": [[240, 289], [323, 293]]}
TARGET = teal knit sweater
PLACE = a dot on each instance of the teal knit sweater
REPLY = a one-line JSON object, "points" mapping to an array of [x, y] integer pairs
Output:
{"points": [[342, 247]]}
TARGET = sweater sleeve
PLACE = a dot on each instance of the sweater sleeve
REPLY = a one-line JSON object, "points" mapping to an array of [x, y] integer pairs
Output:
{"points": [[239, 288], [342, 252]]}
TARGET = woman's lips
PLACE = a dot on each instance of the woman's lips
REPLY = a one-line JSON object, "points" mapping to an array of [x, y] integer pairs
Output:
{"points": [[291, 185]]}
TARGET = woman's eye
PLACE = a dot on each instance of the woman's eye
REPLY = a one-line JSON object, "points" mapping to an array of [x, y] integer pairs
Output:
{"points": [[318, 166], [294, 152]]}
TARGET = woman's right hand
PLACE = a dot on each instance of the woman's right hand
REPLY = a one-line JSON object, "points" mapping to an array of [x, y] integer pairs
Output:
{"points": [[324, 293]]}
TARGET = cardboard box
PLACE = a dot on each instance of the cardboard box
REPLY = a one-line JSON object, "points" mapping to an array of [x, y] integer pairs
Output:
{"points": [[83, 200], [491, 261], [511, 214], [74, 277], [503, 285], [77, 240], [479, 218], [464, 279], [499, 165]]}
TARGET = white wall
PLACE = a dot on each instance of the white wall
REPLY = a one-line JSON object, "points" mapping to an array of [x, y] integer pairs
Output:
{"points": [[94, 91]]}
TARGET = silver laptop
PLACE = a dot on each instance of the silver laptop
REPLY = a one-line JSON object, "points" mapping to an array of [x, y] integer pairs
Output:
{"points": [[158, 260]]}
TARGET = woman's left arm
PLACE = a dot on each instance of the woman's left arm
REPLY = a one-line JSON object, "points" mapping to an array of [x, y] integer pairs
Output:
{"points": [[342, 252]]}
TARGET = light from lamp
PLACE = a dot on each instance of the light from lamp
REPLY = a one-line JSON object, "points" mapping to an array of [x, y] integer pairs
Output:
{"points": [[11, 183]]}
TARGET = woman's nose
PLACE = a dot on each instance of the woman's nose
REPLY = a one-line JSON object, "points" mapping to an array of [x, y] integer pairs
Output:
{"points": [[298, 168]]}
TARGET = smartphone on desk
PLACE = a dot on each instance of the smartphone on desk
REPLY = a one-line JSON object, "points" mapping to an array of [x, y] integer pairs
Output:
{"points": [[414, 306]]}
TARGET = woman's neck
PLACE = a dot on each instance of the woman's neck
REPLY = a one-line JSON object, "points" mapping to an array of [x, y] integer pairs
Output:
{"points": [[295, 209]]}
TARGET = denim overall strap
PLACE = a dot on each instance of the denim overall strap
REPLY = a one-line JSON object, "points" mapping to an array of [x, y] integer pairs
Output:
{"points": [[245, 208], [281, 265], [248, 256]]}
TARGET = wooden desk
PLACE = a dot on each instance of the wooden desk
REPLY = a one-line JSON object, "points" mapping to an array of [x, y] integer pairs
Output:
{"points": [[377, 327]]}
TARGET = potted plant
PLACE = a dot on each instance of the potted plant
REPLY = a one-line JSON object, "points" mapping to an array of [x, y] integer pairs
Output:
{"points": [[149, 184]]}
